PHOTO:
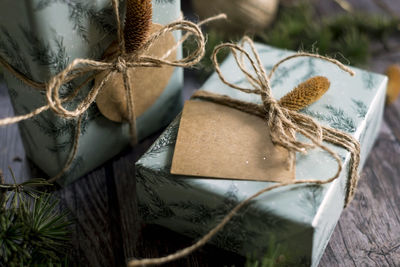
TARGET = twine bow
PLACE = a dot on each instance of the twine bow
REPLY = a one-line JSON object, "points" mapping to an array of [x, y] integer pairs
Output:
{"points": [[283, 123], [119, 64]]}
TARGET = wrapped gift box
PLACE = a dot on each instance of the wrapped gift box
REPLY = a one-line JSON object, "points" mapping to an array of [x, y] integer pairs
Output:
{"points": [[39, 38], [296, 220]]}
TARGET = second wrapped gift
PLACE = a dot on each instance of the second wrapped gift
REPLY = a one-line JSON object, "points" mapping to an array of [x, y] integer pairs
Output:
{"points": [[264, 137]]}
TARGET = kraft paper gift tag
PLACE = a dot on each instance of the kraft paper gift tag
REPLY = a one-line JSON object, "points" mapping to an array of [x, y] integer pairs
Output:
{"points": [[221, 142]]}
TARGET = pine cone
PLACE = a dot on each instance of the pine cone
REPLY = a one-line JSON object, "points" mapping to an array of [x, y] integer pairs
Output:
{"points": [[305, 93], [137, 23]]}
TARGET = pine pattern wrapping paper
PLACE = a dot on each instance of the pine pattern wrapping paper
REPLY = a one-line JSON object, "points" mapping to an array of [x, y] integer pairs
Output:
{"points": [[40, 38], [297, 220]]}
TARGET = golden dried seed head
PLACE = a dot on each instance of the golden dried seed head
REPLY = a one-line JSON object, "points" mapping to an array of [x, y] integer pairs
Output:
{"points": [[393, 87], [137, 23], [305, 93]]}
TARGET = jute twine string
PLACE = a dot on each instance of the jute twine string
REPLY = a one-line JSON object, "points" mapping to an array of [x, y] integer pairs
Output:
{"points": [[283, 124], [120, 64]]}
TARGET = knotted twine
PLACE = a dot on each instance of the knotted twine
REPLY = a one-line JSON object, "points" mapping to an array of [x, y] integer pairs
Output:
{"points": [[283, 125], [121, 64]]}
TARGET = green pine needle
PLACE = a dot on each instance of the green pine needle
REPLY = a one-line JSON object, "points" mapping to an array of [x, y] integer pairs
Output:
{"points": [[32, 230]]}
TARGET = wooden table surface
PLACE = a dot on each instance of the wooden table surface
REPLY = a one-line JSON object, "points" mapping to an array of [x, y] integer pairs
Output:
{"points": [[107, 229]]}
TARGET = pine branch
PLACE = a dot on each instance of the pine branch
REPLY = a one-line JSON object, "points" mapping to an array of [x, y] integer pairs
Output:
{"points": [[337, 118], [361, 108], [32, 231], [340, 120], [42, 53], [11, 49], [368, 80]]}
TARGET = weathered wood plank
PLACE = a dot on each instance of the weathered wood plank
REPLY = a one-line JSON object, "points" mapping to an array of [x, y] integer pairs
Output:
{"points": [[93, 202], [368, 231], [12, 153], [125, 187]]}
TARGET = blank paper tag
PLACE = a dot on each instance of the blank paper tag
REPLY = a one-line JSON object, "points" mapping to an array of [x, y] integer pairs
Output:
{"points": [[221, 142]]}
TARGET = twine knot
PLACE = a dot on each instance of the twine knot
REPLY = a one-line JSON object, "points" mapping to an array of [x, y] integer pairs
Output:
{"points": [[120, 64], [270, 106]]}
